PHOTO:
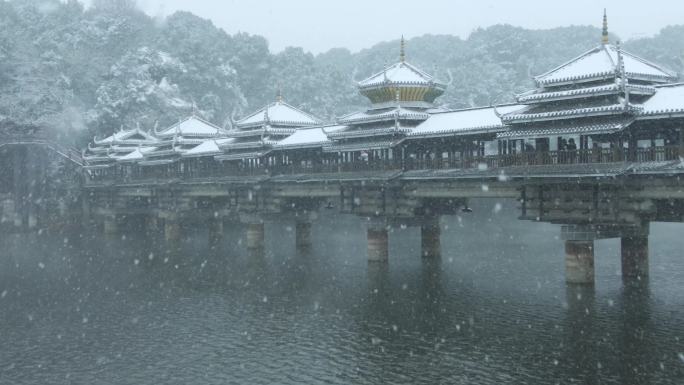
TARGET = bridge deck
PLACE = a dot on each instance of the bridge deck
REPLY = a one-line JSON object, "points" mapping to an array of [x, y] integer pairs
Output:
{"points": [[596, 170]]}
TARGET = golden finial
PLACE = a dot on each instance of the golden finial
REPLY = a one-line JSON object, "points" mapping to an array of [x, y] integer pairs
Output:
{"points": [[402, 52], [279, 94], [604, 35]]}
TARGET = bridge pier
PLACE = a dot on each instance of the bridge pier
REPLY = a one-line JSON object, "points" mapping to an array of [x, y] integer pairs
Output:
{"points": [[303, 224], [151, 226], [255, 235], [430, 233], [579, 261], [634, 253], [172, 231], [378, 242], [110, 226], [302, 234], [215, 225]]}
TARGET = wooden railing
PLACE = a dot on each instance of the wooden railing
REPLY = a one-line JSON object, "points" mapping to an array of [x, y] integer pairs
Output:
{"points": [[40, 138], [527, 159]]}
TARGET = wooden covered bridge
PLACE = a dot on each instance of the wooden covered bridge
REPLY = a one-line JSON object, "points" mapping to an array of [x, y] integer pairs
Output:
{"points": [[597, 147]]}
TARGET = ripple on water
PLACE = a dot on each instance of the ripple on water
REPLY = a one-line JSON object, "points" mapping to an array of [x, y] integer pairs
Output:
{"points": [[490, 312]]}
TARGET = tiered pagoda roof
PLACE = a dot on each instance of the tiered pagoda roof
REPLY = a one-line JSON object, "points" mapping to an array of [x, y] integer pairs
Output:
{"points": [[401, 84], [277, 114], [401, 95], [602, 89], [256, 134], [119, 146], [179, 138], [151, 148], [601, 63]]}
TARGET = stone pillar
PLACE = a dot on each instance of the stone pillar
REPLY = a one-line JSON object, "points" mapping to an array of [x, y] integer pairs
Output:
{"points": [[302, 234], [579, 262], [634, 252], [215, 224], [430, 239], [151, 225], [378, 244], [111, 226], [172, 230], [255, 235]]}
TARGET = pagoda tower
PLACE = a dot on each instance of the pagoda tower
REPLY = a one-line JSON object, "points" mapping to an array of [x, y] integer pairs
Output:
{"points": [[402, 96], [580, 102]]}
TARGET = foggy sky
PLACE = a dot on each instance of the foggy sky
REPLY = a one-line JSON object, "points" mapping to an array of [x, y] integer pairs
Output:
{"points": [[318, 25]]}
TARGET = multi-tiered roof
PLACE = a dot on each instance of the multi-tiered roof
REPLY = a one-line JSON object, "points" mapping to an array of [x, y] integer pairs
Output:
{"points": [[151, 148], [176, 140], [599, 91], [118, 147], [256, 134], [401, 97]]}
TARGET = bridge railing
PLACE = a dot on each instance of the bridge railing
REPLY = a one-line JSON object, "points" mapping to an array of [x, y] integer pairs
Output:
{"points": [[524, 159]]}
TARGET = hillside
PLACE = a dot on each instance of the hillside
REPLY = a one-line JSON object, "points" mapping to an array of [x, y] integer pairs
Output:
{"points": [[112, 65]]}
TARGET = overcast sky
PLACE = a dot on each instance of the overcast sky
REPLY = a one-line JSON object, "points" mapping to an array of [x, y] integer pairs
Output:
{"points": [[318, 25]]}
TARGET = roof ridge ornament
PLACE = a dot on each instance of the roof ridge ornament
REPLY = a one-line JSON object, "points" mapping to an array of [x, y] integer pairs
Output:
{"points": [[402, 50], [623, 75], [604, 34]]}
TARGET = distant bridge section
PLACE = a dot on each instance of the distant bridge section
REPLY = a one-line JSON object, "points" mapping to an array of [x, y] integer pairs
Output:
{"points": [[40, 180]]}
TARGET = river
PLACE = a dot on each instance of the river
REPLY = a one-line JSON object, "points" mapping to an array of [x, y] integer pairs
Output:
{"points": [[495, 309]]}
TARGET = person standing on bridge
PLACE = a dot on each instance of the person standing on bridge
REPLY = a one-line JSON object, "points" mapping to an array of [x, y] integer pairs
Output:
{"points": [[572, 150]]}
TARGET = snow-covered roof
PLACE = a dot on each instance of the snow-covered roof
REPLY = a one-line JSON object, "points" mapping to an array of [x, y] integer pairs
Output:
{"points": [[307, 137], [464, 121], [667, 100], [135, 155], [376, 130], [261, 131], [242, 155], [613, 109], [134, 135], [192, 126], [399, 73], [576, 93], [361, 146], [384, 115], [278, 113], [208, 147], [559, 128], [602, 62]]}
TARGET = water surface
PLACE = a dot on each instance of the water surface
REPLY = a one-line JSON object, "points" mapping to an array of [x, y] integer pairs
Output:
{"points": [[80, 309]]}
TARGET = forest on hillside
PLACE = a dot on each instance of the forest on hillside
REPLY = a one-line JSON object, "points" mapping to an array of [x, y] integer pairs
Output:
{"points": [[91, 71]]}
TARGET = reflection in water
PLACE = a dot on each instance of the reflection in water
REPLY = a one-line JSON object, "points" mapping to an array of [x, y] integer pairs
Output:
{"points": [[636, 333], [581, 359], [129, 310]]}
